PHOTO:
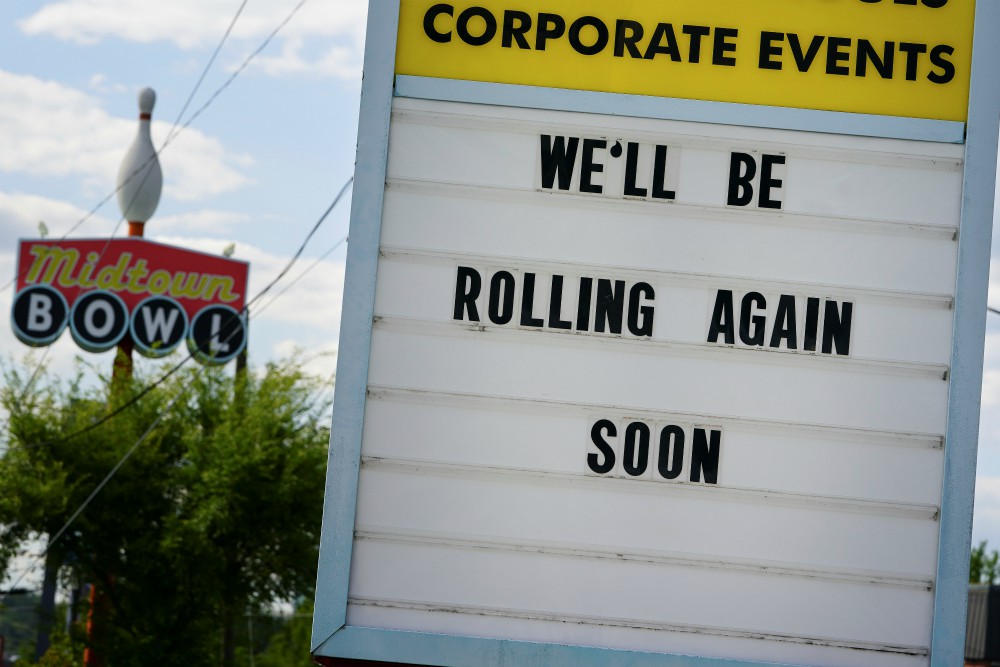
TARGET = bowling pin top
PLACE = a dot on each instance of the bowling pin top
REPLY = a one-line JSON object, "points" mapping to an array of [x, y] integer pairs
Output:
{"points": [[139, 177]]}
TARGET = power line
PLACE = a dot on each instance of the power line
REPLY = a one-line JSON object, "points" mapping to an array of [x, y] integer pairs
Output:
{"points": [[302, 247], [208, 66], [175, 132], [225, 326], [107, 478], [83, 506], [300, 276], [170, 135]]}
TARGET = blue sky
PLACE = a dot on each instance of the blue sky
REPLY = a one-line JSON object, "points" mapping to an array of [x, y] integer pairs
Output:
{"points": [[256, 168]]}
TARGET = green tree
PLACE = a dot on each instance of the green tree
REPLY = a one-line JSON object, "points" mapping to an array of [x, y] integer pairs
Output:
{"points": [[984, 568], [287, 643], [216, 512]]}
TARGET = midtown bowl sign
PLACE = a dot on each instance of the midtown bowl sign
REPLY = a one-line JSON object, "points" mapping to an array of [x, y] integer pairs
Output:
{"points": [[104, 290]]}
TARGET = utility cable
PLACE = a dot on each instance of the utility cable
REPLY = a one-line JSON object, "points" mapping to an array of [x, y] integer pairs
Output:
{"points": [[52, 541], [170, 135], [225, 326], [174, 134], [299, 277], [93, 494], [302, 247]]}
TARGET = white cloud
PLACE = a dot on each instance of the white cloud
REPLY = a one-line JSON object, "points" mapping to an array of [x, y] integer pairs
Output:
{"points": [[49, 129], [21, 213], [339, 62], [100, 83], [335, 30], [218, 222]]}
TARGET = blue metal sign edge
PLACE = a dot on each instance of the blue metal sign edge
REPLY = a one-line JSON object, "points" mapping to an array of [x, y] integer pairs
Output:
{"points": [[966, 376]]}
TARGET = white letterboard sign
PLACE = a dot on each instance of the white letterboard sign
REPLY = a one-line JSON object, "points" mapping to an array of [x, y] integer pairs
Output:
{"points": [[623, 388]]}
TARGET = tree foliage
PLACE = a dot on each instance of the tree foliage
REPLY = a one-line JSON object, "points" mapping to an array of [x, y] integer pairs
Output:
{"points": [[984, 568], [217, 512]]}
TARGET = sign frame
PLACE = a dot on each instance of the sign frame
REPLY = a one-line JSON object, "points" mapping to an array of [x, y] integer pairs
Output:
{"points": [[333, 639]]}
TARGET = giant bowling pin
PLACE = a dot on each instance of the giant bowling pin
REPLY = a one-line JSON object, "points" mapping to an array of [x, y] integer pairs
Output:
{"points": [[139, 177]]}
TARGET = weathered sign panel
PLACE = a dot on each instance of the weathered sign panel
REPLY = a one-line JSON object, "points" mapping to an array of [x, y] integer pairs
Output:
{"points": [[625, 377], [106, 289]]}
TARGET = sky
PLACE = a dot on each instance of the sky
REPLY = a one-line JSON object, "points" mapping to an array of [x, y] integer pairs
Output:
{"points": [[257, 167]]}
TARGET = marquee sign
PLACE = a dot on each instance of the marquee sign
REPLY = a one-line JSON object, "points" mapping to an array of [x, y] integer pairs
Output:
{"points": [[893, 57], [105, 289], [662, 335]]}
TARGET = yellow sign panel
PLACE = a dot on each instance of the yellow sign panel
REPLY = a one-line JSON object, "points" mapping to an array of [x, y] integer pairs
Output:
{"points": [[907, 58]]}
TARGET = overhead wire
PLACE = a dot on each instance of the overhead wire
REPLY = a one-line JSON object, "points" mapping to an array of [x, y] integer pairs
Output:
{"points": [[93, 494], [83, 506], [142, 168], [224, 327], [299, 277], [177, 130]]}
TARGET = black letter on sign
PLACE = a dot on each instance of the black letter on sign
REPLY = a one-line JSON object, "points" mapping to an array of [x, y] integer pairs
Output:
{"points": [[627, 34], [938, 59], [583, 309], [636, 312], [515, 24], [607, 450], [671, 458], [589, 167], [705, 456], [463, 26], [766, 182], [882, 64], [501, 313], [660, 175], [528, 302], [722, 318], [750, 301], [466, 292], [433, 13], [635, 462], [602, 35], [804, 60], [784, 323], [742, 169], [696, 32], [550, 26], [837, 328], [836, 54], [663, 41], [610, 306], [812, 324], [768, 50], [912, 52], [631, 167], [558, 156], [721, 47], [555, 305]]}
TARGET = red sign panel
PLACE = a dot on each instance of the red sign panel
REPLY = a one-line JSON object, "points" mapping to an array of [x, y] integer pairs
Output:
{"points": [[134, 269]]}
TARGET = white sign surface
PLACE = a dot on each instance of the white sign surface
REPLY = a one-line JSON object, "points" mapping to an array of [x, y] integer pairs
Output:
{"points": [[631, 380], [658, 386]]}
